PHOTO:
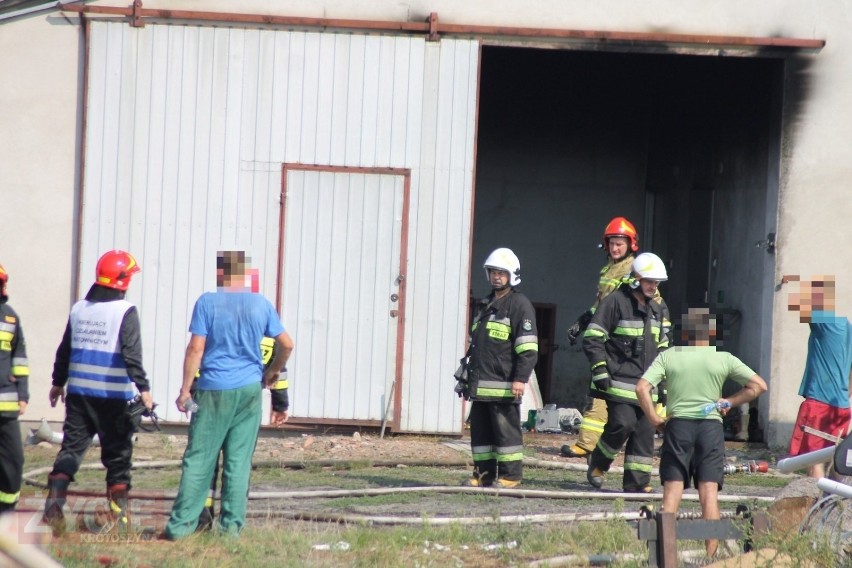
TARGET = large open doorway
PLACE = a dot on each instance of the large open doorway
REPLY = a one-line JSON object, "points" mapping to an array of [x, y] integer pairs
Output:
{"points": [[687, 147]]}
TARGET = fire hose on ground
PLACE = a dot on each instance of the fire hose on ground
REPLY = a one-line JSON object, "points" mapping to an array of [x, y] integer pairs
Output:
{"points": [[44, 432], [30, 478]]}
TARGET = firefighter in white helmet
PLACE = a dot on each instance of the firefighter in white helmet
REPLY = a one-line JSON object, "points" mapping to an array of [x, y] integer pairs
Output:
{"points": [[503, 352], [625, 334]]}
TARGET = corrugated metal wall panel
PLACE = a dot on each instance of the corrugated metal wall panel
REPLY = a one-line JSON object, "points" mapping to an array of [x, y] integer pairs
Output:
{"points": [[440, 295], [187, 129], [342, 258]]}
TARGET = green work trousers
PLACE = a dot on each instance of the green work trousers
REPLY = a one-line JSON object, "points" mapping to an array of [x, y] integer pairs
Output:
{"points": [[226, 420]]}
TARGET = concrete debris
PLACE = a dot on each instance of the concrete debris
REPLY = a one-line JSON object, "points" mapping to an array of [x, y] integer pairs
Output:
{"points": [[507, 545], [339, 546]]}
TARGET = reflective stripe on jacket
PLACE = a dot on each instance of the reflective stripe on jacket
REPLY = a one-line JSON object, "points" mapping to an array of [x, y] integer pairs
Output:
{"points": [[14, 366], [504, 347], [622, 340], [96, 367]]}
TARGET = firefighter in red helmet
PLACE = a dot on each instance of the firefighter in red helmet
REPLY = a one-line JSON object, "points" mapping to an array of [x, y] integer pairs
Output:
{"points": [[621, 242], [99, 361], [14, 396]]}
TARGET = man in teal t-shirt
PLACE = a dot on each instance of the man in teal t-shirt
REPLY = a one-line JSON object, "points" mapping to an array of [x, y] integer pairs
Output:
{"points": [[828, 368], [693, 439]]}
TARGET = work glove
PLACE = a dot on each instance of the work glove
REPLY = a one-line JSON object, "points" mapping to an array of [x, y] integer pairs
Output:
{"points": [[576, 330], [462, 376], [603, 383]]}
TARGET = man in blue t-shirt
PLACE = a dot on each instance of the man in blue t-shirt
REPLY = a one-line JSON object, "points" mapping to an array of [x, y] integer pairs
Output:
{"points": [[828, 368], [227, 326]]}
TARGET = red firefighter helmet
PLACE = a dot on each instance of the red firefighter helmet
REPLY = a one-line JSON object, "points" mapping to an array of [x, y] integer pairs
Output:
{"points": [[4, 276], [621, 227], [115, 268]]}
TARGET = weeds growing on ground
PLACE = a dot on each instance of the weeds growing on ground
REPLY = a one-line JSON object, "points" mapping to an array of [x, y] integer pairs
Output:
{"points": [[306, 544]]}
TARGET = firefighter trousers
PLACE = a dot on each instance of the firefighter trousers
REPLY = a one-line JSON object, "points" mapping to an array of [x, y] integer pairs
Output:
{"points": [[626, 423], [11, 463], [86, 416], [496, 441], [592, 426]]}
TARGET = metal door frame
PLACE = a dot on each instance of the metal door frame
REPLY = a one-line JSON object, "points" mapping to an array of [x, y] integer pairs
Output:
{"points": [[403, 260]]}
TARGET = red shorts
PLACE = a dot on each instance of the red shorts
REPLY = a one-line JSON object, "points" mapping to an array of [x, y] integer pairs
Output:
{"points": [[819, 416]]}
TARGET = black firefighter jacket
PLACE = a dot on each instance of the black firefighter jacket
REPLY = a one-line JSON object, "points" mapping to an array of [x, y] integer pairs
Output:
{"points": [[14, 366], [504, 347], [622, 340]]}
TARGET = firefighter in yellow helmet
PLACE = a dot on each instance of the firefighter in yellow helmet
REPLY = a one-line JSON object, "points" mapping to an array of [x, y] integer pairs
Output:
{"points": [[503, 352], [14, 396]]}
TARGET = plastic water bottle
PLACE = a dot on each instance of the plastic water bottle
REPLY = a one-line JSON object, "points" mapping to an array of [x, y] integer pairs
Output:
{"points": [[191, 406], [708, 408]]}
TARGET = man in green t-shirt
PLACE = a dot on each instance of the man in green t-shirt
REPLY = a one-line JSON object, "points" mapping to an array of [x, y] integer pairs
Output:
{"points": [[693, 438]]}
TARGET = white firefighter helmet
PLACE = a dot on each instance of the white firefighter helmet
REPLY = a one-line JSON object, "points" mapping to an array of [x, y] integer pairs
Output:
{"points": [[504, 259], [649, 266]]}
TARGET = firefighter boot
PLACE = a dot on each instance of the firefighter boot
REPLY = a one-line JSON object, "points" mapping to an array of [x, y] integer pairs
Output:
{"points": [[57, 492], [205, 519], [7, 507], [595, 477], [574, 451], [118, 506], [478, 479], [112, 517]]}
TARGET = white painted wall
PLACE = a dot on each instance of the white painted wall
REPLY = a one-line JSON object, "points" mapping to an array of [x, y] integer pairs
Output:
{"points": [[40, 95]]}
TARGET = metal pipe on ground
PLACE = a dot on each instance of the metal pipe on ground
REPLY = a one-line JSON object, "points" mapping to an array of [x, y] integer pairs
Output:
{"points": [[835, 487], [46, 434], [789, 465], [21, 554]]}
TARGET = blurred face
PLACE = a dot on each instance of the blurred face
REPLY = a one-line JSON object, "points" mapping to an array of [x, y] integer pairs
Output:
{"points": [[698, 324], [618, 247], [232, 271], [498, 278], [816, 295]]}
